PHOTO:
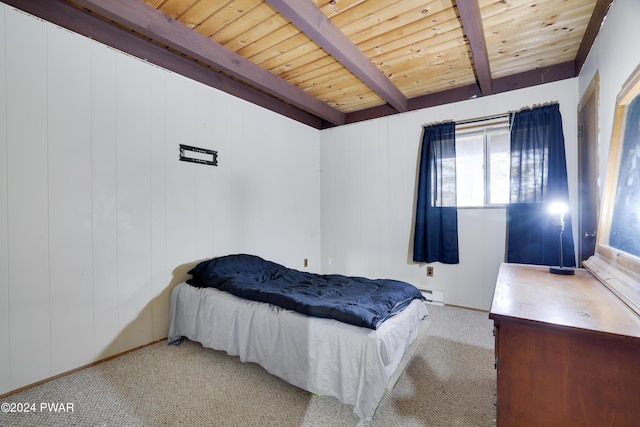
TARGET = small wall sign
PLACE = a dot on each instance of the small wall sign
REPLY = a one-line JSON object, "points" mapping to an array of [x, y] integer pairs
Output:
{"points": [[204, 156]]}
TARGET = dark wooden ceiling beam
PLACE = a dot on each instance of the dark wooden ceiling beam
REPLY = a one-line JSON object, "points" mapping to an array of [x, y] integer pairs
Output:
{"points": [[539, 76], [535, 77], [61, 13], [309, 19], [472, 26], [149, 22], [593, 28]]}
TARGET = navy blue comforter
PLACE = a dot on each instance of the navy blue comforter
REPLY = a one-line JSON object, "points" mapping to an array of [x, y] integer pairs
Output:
{"points": [[355, 300]]}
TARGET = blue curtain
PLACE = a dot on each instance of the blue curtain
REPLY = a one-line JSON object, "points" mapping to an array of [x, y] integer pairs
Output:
{"points": [[538, 178], [436, 228]]}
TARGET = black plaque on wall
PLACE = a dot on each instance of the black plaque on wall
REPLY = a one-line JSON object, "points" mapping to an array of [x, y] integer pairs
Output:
{"points": [[203, 156]]}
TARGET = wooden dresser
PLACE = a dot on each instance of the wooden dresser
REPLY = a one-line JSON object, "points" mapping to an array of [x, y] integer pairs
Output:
{"points": [[567, 351]]}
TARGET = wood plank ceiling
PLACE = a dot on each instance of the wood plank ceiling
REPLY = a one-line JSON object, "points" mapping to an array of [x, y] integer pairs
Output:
{"points": [[331, 62]]}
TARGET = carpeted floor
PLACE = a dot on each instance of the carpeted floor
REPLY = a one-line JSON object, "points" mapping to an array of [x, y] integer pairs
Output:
{"points": [[449, 382]]}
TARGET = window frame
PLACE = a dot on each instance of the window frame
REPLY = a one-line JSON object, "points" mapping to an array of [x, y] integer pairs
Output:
{"points": [[484, 127]]}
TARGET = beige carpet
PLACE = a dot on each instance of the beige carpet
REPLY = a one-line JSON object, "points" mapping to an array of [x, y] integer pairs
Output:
{"points": [[449, 382]]}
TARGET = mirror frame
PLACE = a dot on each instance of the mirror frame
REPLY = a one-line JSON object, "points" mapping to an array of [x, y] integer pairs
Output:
{"points": [[617, 269]]}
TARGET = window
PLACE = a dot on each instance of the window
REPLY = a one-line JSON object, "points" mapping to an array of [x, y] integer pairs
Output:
{"points": [[483, 164]]}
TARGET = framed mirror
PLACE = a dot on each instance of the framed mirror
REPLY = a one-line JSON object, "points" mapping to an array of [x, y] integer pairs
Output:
{"points": [[616, 262]]}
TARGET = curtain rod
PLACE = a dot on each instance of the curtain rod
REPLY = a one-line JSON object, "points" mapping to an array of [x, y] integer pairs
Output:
{"points": [[465, 122], [482, 119], [491, 117]]}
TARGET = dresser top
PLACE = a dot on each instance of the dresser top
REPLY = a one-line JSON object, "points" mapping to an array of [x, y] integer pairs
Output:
{"points": [[531, 293]]}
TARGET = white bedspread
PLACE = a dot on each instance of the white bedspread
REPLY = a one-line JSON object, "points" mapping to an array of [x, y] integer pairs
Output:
{"points": [[323, 356]]}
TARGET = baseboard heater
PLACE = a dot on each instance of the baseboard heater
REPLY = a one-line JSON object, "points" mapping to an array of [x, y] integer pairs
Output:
{"points": [[433, 297]]}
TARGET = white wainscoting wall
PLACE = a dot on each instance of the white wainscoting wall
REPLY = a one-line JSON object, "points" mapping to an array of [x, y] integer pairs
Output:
{"points": [[99, 218]]}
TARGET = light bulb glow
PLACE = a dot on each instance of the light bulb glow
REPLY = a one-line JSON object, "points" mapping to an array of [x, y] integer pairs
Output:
{"points": [[558, 208]]}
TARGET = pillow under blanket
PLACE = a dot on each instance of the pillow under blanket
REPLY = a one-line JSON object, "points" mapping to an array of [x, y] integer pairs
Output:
{"points": [[355, 300]]}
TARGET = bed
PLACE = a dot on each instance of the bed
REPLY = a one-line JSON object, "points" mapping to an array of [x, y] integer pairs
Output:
{"points": [[245, 305]]}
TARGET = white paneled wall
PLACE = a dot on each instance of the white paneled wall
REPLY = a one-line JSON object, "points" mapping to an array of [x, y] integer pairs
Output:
{"points": [[27, 199], [368, 196], [103, 201], [68, 153], [133, 200], [5, 353], [99, 219]]}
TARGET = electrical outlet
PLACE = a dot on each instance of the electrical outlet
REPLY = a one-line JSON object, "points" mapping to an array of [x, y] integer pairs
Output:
{"points": [[329, 260], [430, 271], [306, 262]]}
